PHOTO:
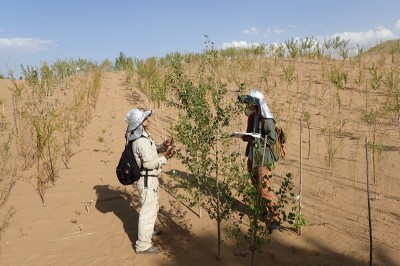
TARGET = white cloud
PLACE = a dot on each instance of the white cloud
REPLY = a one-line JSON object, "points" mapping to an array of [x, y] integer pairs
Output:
{"points": [[239, 44], [25, 44], [274, 30], [278, 30], [268, 31], [365, 37], [251, 31], [397, 25]]}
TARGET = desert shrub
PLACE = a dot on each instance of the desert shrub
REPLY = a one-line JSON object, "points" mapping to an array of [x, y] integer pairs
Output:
{"points": [[204, 115], [151, 80], [42, 113], [217, 182], [7, 181]]}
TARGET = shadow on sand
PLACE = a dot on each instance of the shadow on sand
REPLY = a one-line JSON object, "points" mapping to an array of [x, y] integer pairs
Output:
{"points": [[176, 240], [121, 204], [184, 248]]}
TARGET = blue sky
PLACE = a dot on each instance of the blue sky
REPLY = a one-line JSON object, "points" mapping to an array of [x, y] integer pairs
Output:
{"points": [[32, 32]]}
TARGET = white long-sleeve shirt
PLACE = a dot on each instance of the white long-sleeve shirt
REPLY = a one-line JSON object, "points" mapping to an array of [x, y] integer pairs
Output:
{"points": [[146, 153]]}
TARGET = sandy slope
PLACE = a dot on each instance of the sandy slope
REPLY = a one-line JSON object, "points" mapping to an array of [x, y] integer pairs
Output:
{"points": [[66, 232]]}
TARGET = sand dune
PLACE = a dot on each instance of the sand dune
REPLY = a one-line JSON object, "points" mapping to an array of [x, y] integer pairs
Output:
{"points": [[90, 219]]}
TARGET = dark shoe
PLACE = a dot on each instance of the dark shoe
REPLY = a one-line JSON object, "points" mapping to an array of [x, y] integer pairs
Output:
{"points": [[152, 250], [273, 226], [157, 232], [264, 216]]}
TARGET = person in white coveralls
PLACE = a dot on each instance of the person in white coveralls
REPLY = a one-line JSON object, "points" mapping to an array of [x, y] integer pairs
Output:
{"points": [[149, 156]]}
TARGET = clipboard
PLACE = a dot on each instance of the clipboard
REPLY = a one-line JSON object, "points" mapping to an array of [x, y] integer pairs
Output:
{"points": [[242, 134]]}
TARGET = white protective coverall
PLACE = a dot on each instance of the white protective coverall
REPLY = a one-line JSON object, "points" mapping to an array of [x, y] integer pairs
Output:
{"points": [[146, 153]]}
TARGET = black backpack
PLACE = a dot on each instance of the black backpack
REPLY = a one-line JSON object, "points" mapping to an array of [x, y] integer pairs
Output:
{"points": [[128, 171]]}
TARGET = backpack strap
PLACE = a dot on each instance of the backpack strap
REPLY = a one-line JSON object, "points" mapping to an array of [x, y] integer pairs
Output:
{"points": [[146, 176], [261, 125]]}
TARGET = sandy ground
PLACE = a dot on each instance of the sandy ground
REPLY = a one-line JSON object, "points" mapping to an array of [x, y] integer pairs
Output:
{"points": [[90, 219]]}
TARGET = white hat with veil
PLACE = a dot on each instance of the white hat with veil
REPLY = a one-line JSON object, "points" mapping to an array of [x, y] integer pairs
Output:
{"points": [[135, 118]]}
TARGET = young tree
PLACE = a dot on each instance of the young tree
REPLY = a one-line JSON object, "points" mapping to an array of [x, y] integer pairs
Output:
{"points": [[205, 114]]}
